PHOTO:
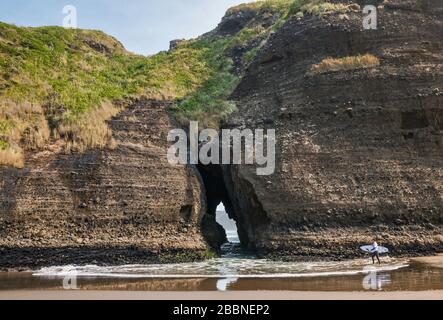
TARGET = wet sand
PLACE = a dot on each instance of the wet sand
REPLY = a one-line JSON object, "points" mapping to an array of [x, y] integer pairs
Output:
{"points": [[433, 262], [233, 295]]}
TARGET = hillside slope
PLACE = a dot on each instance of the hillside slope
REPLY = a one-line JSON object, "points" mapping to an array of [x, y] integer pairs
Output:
{"points": [[63, 84]]}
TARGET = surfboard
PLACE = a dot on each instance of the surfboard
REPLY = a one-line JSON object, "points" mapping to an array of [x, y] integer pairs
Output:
{"points": [[369, 248]]}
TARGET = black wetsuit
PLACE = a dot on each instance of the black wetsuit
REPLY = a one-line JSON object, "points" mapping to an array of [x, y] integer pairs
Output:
{"points": [[374, 255]]}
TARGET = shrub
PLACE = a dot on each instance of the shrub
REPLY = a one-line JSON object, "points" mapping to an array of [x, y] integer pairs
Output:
{"points": [[3, 145]]}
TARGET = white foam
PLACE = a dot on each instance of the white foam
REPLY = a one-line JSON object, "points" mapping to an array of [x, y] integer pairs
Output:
{"points": [[180, 271]]}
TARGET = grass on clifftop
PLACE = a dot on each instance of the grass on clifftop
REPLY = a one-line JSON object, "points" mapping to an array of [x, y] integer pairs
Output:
{"points": [[63, 84], [272, 5], [300, 7], [320, 7], [210, 103]]}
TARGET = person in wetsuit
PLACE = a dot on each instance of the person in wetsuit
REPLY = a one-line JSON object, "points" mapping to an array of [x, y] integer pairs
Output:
{"points": [[375, 253]]}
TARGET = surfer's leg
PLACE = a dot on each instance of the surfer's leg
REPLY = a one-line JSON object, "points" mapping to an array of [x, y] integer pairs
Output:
{"points": [[373, 258], [378, 258]]}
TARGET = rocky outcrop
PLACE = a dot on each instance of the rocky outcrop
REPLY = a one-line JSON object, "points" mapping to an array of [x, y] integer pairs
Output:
{"points": [[359, 155], [105, 206], [359, 152]]}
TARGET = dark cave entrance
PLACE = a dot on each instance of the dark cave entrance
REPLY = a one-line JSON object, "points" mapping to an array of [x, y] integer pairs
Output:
{"points": [[216, 193]]}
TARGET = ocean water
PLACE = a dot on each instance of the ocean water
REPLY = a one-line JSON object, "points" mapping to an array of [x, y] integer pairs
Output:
{"points": [[225, 267], [234, 270], [228, 224]]}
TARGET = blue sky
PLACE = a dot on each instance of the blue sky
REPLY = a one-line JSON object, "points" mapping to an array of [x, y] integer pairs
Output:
{"points": [[143, 26]]}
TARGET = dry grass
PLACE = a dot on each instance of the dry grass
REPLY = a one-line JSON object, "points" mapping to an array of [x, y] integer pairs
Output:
{"points": [[24, 123], [344, 64], [22, 126], [276, 5], [12, 157], [321, 8], [89, 130]]}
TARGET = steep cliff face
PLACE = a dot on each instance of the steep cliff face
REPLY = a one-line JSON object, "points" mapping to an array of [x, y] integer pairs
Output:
{"points": [[359, 149], [358, 116], [70, 198], [105, 206]]}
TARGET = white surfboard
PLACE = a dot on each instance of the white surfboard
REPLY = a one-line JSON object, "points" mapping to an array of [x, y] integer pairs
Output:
{"points": [[369, 248]]}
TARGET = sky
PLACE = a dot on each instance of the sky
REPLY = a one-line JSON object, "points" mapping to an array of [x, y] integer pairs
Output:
{"points": [[143, 26]]}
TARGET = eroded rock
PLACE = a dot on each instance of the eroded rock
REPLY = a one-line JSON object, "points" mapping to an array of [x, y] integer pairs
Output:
{"points": [[345, 165], [127, 205]]}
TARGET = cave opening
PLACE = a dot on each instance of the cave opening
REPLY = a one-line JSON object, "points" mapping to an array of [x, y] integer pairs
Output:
{"points": [[220, 223], [228, 224]]}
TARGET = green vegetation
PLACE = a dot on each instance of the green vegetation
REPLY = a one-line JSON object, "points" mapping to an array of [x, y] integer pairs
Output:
{"points": [[63, 84], [3, 145], [78, 70], [67, 79], [182, 256], [281, 6], [210, 103], [319, 7]]}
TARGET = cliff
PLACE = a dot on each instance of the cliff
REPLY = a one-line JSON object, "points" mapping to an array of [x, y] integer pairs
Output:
{"points": [[104, 206], [359, 144], [83, 171], [358, 118]]}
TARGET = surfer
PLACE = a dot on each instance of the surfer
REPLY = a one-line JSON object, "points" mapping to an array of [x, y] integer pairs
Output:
{"points": [[375, 253]]}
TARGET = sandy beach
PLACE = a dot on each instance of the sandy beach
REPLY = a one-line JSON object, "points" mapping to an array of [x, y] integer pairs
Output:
{"points": [[434, 262], [233, 295]]}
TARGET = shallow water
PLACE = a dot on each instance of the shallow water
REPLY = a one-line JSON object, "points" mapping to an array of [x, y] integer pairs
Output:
{"points": [[231, 265], [234, 270]]}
